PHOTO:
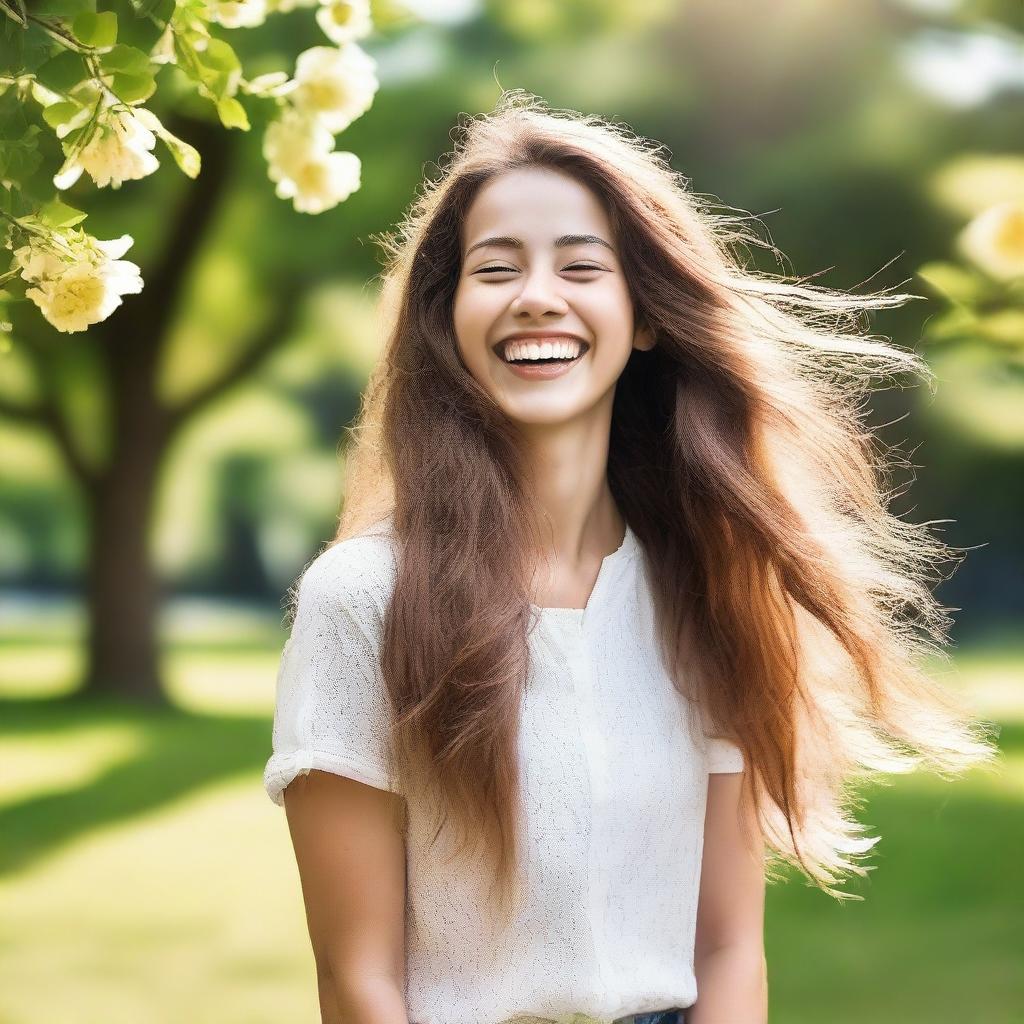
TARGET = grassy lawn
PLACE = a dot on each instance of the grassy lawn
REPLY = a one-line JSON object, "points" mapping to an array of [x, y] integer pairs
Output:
{"points": [[145, 876]]}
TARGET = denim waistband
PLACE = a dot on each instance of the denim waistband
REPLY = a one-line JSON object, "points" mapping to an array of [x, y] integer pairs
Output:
{"points": [[675, 1016], [672, 1016]]}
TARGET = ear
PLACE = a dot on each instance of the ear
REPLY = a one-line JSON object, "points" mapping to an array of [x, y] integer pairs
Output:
{"points": [[643, 337]]}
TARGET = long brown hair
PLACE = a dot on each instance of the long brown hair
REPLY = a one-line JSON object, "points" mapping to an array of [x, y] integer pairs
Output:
{"points": [[793, 607]]}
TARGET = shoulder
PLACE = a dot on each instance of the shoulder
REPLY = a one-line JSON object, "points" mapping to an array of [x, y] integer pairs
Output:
{"points": [[362, 563], [355, 575]]}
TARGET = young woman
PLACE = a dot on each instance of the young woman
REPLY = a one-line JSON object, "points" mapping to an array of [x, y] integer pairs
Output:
{"points": [[615, 611]]}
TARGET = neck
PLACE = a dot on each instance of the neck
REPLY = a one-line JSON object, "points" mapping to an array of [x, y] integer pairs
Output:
{"points": [[577, 516]]}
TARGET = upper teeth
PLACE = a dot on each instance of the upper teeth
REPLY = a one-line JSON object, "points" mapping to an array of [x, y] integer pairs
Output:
{"points": [[558, 348]]}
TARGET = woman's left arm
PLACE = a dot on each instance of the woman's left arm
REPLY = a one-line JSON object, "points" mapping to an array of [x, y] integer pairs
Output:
{"points": [[729, 959]]}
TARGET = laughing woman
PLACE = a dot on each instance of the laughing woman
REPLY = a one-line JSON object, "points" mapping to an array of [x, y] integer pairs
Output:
{"points": [[615, 613]]}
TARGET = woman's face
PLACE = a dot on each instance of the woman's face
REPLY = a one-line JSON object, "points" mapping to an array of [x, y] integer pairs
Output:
{"points": [[526, 270]]}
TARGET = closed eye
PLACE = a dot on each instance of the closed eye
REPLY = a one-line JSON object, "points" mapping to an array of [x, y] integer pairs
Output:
{"points": [[511, 270]]}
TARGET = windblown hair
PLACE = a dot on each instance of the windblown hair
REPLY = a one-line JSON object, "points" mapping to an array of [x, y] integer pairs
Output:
{"points": [[793, 607]]}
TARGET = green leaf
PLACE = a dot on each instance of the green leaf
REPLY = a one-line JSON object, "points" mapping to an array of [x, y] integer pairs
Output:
{"points": [[126, 59], [232, 114], [63, 72], [12, 45], [142, 31], [63, 8], [220, 56], [216, 71], [134, 88], [951, 281], [58, 215], [956, 323], [13, 201], [19, 158], [70, 141], [15, 9], [159, 9], [57, 113], [185, 156], [1005, 327], [99, 30]]}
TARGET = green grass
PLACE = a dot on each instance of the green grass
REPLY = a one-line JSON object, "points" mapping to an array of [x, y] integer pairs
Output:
{"points": [[145, 876]]}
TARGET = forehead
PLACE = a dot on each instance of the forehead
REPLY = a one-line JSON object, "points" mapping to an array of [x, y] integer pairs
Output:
{"points": [[536, 204]]}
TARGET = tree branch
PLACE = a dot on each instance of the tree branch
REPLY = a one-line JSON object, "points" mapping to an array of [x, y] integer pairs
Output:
{"points": [[20, 412], [158, 303], [48, 415], [266, 340]]}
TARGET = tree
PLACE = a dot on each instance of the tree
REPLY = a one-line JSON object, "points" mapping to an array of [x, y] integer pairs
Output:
{"points": [[68, 66]]}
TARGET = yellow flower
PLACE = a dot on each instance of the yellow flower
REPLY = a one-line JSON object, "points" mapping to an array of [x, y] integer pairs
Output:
{"points": [[994, 240], [239, 13], [79, 281], [344, 21], [335, 84], [119, 149], [301, 160]]}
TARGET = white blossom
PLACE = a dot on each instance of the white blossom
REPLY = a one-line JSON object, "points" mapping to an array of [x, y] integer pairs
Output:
{"points": [[77, 280], [119, 149], [239, 13], [336, 84], [302, 163], [292, 139], [323, 182], [344, 20], [994, 240], [163, 48], [39, 261], [273, 83]]}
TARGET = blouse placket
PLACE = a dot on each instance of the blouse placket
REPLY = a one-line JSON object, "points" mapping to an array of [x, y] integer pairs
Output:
{"points": [[570, 629], [572, 635]]}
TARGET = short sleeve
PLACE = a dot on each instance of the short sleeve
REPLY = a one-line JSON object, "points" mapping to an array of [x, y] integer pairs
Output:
{"points": [[331, 708], [723, 755]]}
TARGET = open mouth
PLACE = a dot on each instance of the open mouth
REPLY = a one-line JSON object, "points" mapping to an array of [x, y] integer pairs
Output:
{"points": [[516, 353]]}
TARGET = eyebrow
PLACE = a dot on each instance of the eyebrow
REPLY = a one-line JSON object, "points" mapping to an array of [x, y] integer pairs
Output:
{"points": [[562, 242]]}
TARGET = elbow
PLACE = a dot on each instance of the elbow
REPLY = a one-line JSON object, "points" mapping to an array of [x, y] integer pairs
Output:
{"points": [[732, 985], [362, 999], [744, 964], [750, 955]]}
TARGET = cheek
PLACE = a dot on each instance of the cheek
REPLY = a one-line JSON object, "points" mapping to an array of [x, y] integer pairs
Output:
{"points": [[462, 321], [616, 311], [471, 310], [470, 324]]}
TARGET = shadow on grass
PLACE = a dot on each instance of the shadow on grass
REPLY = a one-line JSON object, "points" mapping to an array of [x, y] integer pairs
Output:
{"points": [[184, 752], [938, 935], [938, 908]]}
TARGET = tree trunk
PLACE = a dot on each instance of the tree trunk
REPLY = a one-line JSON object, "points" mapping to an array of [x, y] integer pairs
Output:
{"points": [[123, 593], [122, 589]]}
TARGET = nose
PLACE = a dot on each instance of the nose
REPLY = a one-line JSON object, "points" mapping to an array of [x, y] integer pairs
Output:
{"points": [[539, 294]]}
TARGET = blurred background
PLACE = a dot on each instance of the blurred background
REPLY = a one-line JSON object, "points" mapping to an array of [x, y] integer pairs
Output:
{"points": [[145, 557]]}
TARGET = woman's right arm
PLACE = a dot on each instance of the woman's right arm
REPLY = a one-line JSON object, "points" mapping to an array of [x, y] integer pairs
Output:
{"points": [[351, 861]]}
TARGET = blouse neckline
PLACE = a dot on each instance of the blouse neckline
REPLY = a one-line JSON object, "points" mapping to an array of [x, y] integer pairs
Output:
{"points": [[605, 577]]}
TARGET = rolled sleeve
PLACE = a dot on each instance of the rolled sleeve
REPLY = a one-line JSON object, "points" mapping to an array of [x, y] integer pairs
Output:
{"points": [[332, 711], [723, 755]]}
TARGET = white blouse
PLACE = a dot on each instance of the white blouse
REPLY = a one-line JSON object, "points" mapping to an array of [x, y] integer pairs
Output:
{"points": [[615, 771]]}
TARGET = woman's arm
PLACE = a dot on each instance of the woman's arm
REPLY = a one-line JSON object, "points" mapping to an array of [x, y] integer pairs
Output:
{"points": [[729, 960], [351, 862]]}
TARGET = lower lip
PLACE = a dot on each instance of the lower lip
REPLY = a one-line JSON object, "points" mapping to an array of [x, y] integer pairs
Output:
{"points": [[542, 371]]}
